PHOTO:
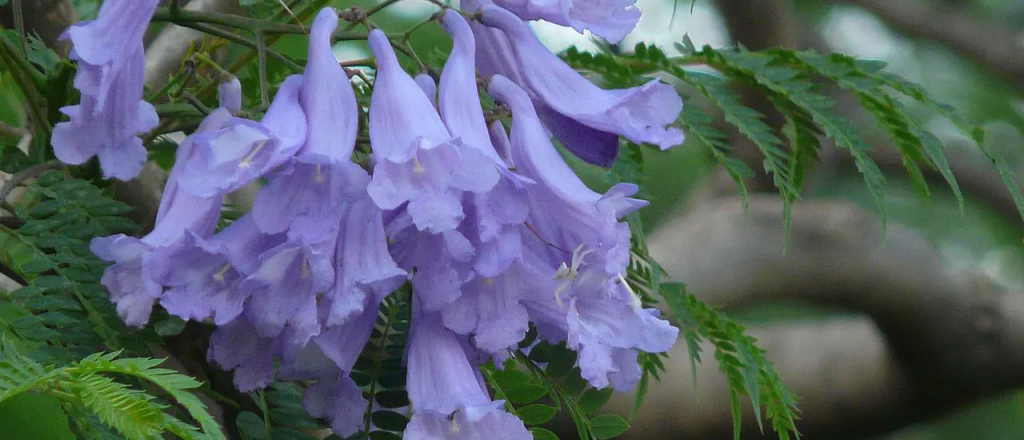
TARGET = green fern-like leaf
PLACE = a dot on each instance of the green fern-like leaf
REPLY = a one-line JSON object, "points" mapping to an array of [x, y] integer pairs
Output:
{"points": [[19, 374], [68, 312], [1006, 172], [132, 412], [89, 386], [915, 144], [176, 385], [786, 83], [739, 358]]}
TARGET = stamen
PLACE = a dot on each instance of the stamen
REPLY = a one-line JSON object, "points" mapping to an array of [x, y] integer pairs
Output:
{"points": [[255, 150], [635, 302], [318, 177], [219, 276], [417, 167]]}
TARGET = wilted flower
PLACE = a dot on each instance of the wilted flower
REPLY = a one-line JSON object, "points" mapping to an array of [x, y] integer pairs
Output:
{"points": [[112, 113]]}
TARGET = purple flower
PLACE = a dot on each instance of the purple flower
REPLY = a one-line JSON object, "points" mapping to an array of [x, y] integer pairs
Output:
{"points": [[129, 280], [327, 98], [459, 101], [492, 310], [335, 396], [418, 161], [242, 150], [584, 250], [325, 282], [440, 261], [320, 197], [307, 200], [583, 116], [286, 283], [238, 346], [306, 197], [131, 287], [428, 86], [608, 19], [204, 275], [494, 218], [112, 113], [446, 390], [366, 273], [469, 423], [230, 93]]}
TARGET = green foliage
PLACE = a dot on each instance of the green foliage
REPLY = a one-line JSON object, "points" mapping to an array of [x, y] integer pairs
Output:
{"points": [[794, 81], [739, 358], [65, 310], [280, 417], [90, 385], [542, 379]]}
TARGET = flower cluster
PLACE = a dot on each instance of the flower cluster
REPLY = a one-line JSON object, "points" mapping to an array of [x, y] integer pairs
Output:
{"points": [[492, 229]]}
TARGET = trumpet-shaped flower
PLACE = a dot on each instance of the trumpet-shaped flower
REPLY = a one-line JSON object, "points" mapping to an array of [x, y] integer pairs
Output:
{"points": [[418, 161], [112, 113], [327, 98], [446, 392], [581, 114], [203, 275], [129, 280], [585, 249], [608, 19], [242, 150]]}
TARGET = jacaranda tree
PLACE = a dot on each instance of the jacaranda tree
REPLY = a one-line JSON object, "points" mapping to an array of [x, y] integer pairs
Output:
{"points": [[420, 259]]}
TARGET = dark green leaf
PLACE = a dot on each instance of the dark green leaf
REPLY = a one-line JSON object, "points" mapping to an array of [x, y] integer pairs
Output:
{"points": [[392, 398], [608, 426], [13, 160], [536, 414], [593, 399], [384, 435], [543, 434], [524, 393], [389, 420], [251, 426]]}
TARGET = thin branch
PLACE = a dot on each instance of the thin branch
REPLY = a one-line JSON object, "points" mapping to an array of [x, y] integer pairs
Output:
{"points": [[165, 52], [261, 62], [29, 173], [19, 24], [235, 38]]}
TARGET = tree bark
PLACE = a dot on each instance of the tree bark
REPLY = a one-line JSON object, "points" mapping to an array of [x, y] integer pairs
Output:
{"points": [[931, 337], [45, 18], [992, 45]]}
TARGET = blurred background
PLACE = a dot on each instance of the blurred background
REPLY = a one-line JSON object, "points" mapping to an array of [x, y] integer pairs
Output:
{"points": [[903, 333]]}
